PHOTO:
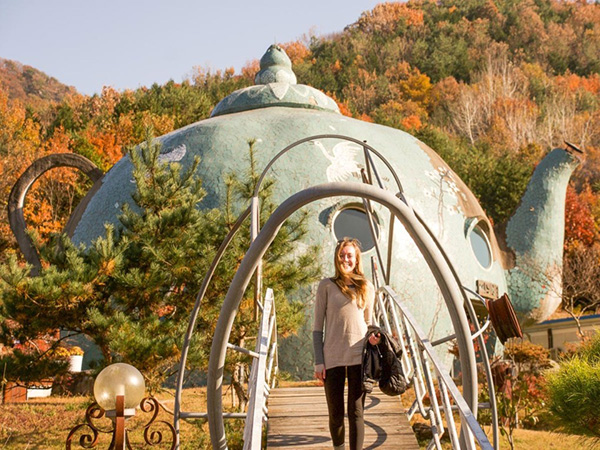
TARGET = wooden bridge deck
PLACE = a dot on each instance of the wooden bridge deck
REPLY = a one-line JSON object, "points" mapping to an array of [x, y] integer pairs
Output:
{"points": [[298, 419]]}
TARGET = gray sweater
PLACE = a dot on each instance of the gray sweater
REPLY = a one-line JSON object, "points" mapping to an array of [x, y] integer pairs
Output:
{"points": [[345, 326]]}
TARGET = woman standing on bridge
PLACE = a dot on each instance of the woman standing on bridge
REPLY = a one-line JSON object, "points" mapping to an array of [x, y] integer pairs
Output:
{"points": [[343, 307]]}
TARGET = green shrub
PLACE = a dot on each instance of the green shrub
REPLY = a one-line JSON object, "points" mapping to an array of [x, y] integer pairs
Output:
{"points": [[574, 390]]}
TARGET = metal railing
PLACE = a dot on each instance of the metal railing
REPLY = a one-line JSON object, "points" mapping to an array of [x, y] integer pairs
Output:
{"points": [[263, 373], [428, 375]]}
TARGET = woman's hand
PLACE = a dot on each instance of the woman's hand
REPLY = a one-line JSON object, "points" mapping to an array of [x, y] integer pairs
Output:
{"points": [[320, 372], [374, 339]]}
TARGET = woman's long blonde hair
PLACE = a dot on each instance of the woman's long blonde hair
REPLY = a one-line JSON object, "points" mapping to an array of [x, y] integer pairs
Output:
{"points": [[357, 277]]}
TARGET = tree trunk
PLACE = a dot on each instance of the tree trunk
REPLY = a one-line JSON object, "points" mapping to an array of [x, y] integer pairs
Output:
{"points": [[238, 386]]}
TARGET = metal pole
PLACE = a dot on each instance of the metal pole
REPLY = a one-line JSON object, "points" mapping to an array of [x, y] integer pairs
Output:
{"points": [[120, 438], [254, 229]]}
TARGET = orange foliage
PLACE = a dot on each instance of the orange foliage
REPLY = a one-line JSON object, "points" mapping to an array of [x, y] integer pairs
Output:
{"points": [[50, 200], [161, 124], [40, 216], [18, 133], [361, 94], [384, 18], [60, 142], [344, 110], [19, 142], [416, 87], [571, 112], [444, 92], [408, 83], [406, 115], [297, 51], [573, 83], [398, 72], [250, 69], [580, 227], [365, 118], [336, 67], [103, 106], [359, 61], [124, 130], [589, 172], [105, 143], [412, 123]]}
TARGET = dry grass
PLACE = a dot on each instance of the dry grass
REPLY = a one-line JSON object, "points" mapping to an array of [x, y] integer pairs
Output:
{"points": [[45, 424], [532, 439], [40, 423]]}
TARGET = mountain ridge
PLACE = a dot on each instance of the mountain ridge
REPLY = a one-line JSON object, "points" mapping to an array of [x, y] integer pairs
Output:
{"points": [[31, 86]]}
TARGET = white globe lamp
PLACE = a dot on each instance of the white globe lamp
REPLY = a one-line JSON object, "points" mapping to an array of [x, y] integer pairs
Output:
{"points": [[119, 379]]}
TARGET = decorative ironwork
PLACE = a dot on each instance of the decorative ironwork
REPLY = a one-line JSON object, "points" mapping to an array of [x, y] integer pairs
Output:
{"points": [[93, 412], [119, 433], [155, 437]]}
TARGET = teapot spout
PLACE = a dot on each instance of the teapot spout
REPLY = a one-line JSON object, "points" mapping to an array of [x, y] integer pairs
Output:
{"points": [[535, 234]]}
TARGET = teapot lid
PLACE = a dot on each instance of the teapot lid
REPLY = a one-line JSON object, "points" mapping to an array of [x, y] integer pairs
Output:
{"points": [[275, 85]]}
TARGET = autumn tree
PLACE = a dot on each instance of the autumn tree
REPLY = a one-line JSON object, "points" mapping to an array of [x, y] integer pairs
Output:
{"points": [[581, 229], [520, 394], [51, 199], [571, 111], [581, 282], [19, 138]]}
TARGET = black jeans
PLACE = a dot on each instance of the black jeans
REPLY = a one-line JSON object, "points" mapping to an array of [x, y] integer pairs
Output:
{"points": [[335, 379]]}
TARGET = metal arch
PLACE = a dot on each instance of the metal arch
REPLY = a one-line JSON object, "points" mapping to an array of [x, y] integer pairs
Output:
{"points": [[16, 198], [439, 266], [254, 217], [326, 136]]}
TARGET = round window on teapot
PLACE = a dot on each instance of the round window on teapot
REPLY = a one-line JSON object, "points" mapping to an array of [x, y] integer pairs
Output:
{"points": [[353, 221]]}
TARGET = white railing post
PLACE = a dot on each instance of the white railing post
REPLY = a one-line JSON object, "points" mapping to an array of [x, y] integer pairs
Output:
{"points": [[258, 376]]}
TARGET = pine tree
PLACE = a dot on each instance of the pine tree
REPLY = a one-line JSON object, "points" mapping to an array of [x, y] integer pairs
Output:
{"points": [[132, 290]]}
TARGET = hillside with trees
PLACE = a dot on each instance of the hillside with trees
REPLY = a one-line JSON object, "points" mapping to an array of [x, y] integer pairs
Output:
{"points": [[491, 85], [31, 86]]}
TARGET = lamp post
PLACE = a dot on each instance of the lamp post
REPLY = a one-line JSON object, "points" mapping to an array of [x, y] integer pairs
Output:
{"points": [[118, 390]]}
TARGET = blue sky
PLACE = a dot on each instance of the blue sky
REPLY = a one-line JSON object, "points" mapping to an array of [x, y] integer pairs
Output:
{"points": [[130, 43]]}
